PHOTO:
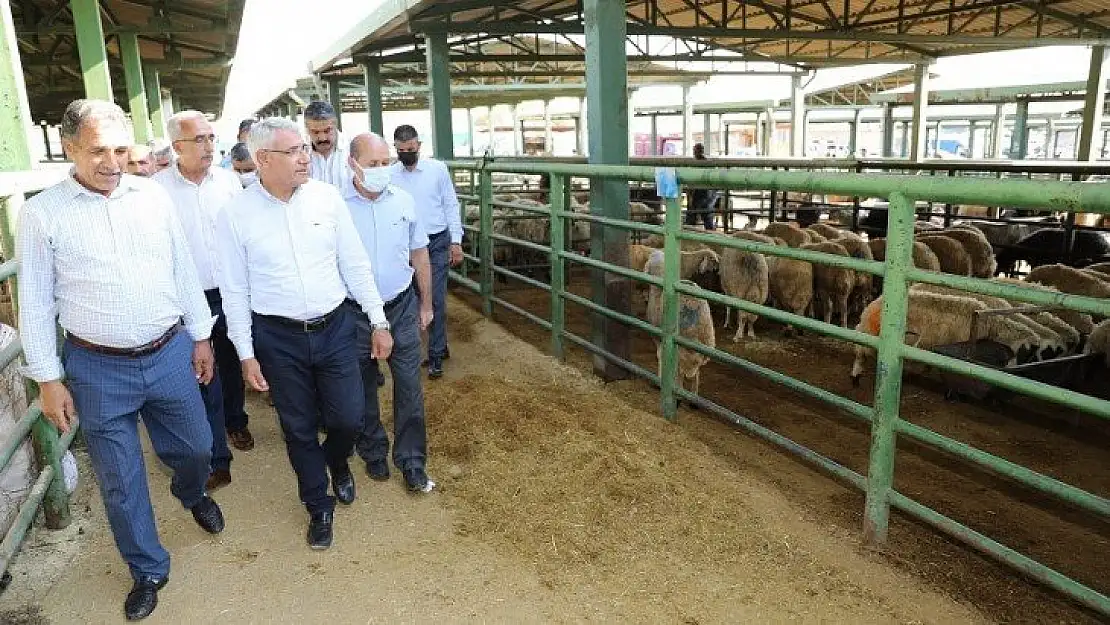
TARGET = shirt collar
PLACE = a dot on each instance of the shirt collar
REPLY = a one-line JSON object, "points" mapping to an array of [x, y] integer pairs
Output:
{"points": [[258, 188], [127, 183], [181, 177], [415, 168]]}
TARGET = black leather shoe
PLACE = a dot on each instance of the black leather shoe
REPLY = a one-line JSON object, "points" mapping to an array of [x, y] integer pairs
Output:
{"points": [[319, 530], [208, 516], [446, 356], [435, 369], [378, 470], [344, 486], [143, 598], [417, 481]]}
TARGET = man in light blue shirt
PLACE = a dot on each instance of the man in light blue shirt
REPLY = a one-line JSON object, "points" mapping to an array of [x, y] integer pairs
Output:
{"points": [[437, 206], [386, 221]]}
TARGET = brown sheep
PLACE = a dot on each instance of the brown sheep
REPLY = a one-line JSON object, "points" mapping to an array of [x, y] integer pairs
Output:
{"points": [[1103, 268], [832, 286], [744, 275], [923, 257], [790, 284], [983, 264], [793, 235], [695, 322], [861, 292], [1069, 280], [1082, 322], [825, 230], [953, 258]]}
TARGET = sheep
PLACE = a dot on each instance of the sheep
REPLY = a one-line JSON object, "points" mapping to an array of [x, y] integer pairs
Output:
{"points": [[790, 284], [953, 257], [1099, 341], [923, 257], [832, 286], [935, 319], [1069, 280], [699, 261], [793, 235], [825, 230], [983, 263], [744, 275], [1096, 274], [861, 292], [638, 211], [815, 237], [695, 322], [1051, 345], [1081, 322], [1067, 333], [753, 236], [1103, 268]]}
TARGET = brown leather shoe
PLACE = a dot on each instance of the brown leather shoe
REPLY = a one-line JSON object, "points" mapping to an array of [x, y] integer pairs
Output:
{"points": [[241, 439], [218, 479]]}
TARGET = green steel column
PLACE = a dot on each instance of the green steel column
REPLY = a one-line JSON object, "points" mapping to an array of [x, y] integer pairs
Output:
{"points": [[518, 136], [769, 128], [372, 77], [668, 350], [335, 97], [888, 130], [687, 122], [707, 133], [136, 93], [439, 94], [1019, 138], [152, 80], [888, 368], [919, 135], [485, 240], [654, 135], [607, 91], [1093, 103], [583, 141], [797, 117], [998, 129], [15, 114], [971, 139], [559, 224], [470, 128], [857, 129], [90, 47], [48, 452]]}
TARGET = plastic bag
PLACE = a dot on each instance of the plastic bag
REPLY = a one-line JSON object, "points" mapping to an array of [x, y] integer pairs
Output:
{"points": [[666, 182], [69, 471]]}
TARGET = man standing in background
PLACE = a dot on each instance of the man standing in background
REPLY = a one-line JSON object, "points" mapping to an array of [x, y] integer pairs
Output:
{"points": [[437, 207], [240, 138], [329, 158], [199, 191]]}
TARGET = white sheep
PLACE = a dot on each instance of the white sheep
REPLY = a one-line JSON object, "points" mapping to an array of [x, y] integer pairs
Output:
{"points": [[695, 322], [744, 275], [1099, 341], [1069, 280]]}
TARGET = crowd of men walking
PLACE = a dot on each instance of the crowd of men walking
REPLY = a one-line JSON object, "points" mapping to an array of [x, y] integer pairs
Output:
{"points": [[293, 267]]}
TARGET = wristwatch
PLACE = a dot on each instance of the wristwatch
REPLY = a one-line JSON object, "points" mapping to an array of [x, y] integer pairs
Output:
{"points": [[374, 327]]}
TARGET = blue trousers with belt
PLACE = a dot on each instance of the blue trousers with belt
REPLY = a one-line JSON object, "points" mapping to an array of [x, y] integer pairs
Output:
{"points": [[312, 375], [439, 253], [409, 432], [108, 393]]}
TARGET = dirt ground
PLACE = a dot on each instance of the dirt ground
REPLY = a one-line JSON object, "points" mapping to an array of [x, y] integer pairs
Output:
{"points": [[559, 502], [1067, 446]]}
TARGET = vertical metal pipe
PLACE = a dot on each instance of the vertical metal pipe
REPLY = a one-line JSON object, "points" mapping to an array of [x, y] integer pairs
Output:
{"points": [[48, 452], [583, 139], [548, 135], [920, 112], [335, 97], [470, 128], [1093, 103], [998, 130], [687, 121], [15, 113], [888, 130], [1019, 138], [668, 351], [152, 81], [707, 134], [558, 198], [518, 139], [46, 141], [888, 369], [90, 47], [439, 94], [654, 135], [769, 133], [372, 80], [136, 93], [797, 117], [485, 240]]}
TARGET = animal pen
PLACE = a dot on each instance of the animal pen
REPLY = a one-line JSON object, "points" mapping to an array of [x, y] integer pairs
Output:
{"points": [[904, 194]]}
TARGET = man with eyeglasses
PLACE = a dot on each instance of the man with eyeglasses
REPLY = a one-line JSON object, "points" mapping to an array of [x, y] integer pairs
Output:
{"points": [[290, 257], [430, 184], [199, 191], [329, 158]]}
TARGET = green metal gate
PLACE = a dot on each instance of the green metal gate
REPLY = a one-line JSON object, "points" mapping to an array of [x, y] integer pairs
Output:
{"points": [[897, 270]]}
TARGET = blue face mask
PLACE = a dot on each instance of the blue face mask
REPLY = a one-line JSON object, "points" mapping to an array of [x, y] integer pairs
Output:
{"points": [[376, 179]]}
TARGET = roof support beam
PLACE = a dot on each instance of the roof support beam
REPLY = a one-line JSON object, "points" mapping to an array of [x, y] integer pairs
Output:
{"points": [[1094, 102], [439, 88], [136, 93], [372, 79], [90, 45], [152, 82]]}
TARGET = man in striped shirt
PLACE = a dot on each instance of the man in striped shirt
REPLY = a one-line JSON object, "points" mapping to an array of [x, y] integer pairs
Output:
{"points": [[103, 254], [328, 160]]}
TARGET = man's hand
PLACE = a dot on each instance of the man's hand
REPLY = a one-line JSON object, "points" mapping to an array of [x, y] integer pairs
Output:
{"points": [[381, 345], [456, 254], [204, 363], [426, 316], [252, 373], [57, 405]]}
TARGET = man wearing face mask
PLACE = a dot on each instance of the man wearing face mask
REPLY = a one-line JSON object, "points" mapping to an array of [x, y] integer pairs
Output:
{"points": [[386, 221], [199, 191], [242, 164], [329, 159], [437, 207]]}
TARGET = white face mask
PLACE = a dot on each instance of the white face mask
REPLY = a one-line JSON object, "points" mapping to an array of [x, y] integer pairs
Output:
{"points": [[376, 179], [248, 178]]}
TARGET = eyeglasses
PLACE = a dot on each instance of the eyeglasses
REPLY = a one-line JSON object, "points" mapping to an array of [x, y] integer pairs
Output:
{"points": [[200, 139], [296, 150]]}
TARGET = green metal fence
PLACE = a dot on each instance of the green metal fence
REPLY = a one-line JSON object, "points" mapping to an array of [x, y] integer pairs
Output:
{"points": [[48, 492], [902, 192]]}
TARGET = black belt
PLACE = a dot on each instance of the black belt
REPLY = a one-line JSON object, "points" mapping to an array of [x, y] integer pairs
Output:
{"points": [[128, 352], [307, 326], [397, 300]]}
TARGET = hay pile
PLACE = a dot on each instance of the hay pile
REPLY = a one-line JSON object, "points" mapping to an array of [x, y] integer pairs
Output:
{"points": [[584, 486]]}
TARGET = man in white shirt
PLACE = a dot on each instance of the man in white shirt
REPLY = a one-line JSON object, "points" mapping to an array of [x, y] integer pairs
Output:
{"points": [[103, 254], [386, 220], [240, 139], [199, 191], [329, 158], [437, 206], [289, 258]]}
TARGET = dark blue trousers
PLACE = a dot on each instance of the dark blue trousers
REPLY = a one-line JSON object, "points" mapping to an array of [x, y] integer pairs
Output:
{"points": [[213, 393], [439, 252], [109, 392], [229, 367], [409, 432], [313, 374]]}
